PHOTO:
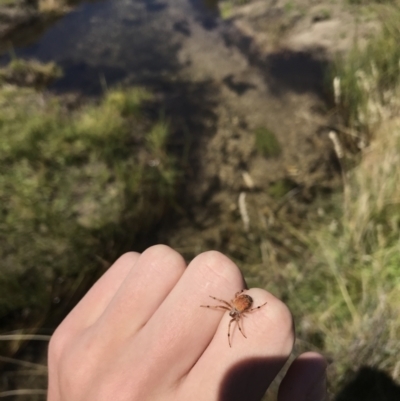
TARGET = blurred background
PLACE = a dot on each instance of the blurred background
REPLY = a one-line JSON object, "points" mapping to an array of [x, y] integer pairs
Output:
{"points": [[265, 129]]}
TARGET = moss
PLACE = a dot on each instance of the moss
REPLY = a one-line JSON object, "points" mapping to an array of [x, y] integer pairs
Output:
{"points": [[266, 142], [280, 188]]}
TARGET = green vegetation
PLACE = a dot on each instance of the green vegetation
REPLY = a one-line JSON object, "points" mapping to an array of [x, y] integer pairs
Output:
{"points": [[266, 142], [8, 2], [77, 189], [280, 188], [358, 316], [29, 73], [289, 6], [226, 6], [339, 270], [324, 14], [225, 9], [343, 284], [350, 288], [369, 75]]}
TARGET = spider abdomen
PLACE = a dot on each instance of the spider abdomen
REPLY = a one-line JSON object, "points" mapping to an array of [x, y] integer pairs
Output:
{"points": [[242, 303]]}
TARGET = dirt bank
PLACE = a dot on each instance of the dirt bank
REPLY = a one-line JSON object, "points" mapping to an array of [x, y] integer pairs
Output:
{"points": [[269, 66], [267, 139], [303, 25]]}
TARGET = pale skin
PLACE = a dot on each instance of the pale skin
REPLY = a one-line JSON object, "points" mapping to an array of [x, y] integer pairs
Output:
{"points": [[140, 334]]}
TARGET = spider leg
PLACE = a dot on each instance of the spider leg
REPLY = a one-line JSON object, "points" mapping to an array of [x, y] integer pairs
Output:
{"points": [[257, 307], [215, 307], [239, 292], [229, 332], [224, 302], [240, 328]]}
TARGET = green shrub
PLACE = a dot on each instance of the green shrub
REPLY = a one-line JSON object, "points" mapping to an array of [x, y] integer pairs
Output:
{"points": [[76, 190], [369, 76]]}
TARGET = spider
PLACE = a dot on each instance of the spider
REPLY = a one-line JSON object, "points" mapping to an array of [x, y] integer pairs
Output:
{"points": [[237, 308]]}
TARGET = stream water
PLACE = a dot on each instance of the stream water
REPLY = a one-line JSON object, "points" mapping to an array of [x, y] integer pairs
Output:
{"points": [[135, 41]]}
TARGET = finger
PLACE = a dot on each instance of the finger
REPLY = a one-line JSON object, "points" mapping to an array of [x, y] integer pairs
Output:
{"points": [[305, 380], [180, 330], [93, 304], [245, 370], [154, 275], [86, 312]]}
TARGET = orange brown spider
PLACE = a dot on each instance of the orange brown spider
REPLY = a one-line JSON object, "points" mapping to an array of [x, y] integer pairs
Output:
{"points": [[237, 308]]}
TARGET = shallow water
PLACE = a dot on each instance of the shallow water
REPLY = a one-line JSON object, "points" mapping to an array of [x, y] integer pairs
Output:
{"points": [[103, 42]]}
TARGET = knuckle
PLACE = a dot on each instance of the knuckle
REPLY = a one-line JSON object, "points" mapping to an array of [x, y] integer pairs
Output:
{"points": [[213, 264], [128, 258], [57, 343], [168, 255], [159, 250], [79, 361]]}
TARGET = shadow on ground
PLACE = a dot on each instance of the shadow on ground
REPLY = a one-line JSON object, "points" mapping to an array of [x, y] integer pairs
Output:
{"points": [[369, 384], [284, 70]]}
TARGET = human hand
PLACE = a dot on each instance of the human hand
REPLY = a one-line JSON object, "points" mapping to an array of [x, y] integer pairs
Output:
{"points": [[140, 334]]}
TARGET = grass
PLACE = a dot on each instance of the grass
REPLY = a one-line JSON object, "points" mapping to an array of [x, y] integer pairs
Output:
{"points": [[357, 265], [266, 142], [77, 189], [348, 292], [29, 73], [289, 6], [226, 7], [324, 14], [369, 75], [8, 2], [339, 270], [280, 188]]}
